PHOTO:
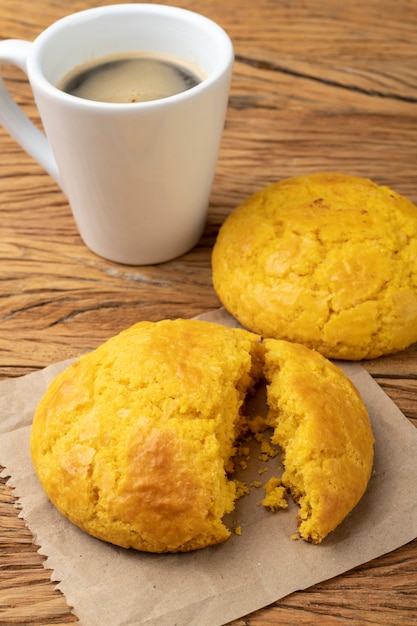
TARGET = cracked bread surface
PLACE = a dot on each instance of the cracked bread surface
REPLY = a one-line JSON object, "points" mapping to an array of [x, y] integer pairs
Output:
{"points": [[326, 260]]}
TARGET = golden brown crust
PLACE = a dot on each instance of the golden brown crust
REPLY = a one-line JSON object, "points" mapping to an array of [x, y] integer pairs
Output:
{"points": [[326, 260]]}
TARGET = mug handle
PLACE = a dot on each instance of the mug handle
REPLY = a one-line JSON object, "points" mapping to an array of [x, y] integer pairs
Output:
{"points": [[12, 118]]}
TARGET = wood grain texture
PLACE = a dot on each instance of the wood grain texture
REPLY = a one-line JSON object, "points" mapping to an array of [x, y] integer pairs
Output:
{"points": [[318, 86]]}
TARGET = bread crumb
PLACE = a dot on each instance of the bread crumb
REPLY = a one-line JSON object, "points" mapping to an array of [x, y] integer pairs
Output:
{"points": [[266, 448], [241, 489], [256, 484], [275, 498], [263, 457], [273, 482], [238, 530], [257, 424]]}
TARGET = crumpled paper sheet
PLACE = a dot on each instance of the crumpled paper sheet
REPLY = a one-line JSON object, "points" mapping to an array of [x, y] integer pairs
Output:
{"points": [[109, 585]]}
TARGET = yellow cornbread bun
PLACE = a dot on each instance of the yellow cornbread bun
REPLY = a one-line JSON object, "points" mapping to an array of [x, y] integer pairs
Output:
{"points": [[134, 442], [323, 429], [326, 260]]}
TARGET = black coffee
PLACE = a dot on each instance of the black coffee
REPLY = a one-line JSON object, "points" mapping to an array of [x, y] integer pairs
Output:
{"points": [[129, 78]]}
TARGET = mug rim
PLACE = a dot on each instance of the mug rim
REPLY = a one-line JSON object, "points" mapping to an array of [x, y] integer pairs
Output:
{"points": [[40, 82]]}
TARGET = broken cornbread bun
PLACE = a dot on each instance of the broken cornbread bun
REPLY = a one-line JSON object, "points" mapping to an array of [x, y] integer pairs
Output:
{"points": [[326, 260], [131, 441], [134, 442], [324, 432]]}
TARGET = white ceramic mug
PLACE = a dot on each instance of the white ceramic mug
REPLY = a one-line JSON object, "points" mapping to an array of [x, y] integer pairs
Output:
{"points": [[138, 176]]}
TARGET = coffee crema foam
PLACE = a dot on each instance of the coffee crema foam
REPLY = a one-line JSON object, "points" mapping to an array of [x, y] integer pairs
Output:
{"points": [[130, 78]]}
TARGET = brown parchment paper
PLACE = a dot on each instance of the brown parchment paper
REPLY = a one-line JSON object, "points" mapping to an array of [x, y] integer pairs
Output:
{"points": [[109, 585]]}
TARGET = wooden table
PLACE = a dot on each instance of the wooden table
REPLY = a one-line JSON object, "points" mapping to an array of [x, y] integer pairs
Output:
{"points": [[319, 85]]}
